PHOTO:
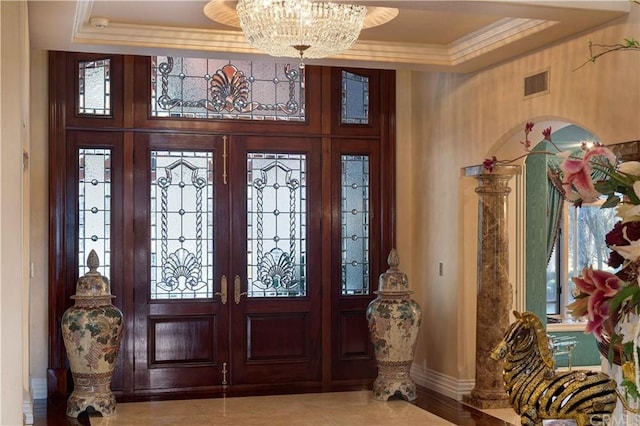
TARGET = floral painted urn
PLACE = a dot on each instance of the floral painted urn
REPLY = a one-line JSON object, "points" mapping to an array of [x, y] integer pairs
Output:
{"points": [[92, 329], [394, 321]]}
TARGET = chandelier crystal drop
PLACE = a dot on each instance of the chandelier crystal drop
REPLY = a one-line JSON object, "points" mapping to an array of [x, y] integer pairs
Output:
{"points": [[300, 28]]}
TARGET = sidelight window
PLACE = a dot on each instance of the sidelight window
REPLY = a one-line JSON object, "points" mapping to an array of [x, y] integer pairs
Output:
{"points": [[94, 207], [355, 225]]}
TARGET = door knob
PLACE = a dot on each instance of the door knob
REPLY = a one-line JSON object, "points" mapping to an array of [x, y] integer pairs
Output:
{"points": [[236, 290], [223, 290]]}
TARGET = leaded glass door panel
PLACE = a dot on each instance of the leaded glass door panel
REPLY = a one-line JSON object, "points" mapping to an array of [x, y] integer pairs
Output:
{"points": [[276, 313]]}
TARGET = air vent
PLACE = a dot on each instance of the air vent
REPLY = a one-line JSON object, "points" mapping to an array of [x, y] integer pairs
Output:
{"points": [[536, 84]]}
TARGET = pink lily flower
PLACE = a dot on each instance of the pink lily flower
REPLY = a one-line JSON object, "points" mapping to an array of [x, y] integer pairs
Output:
{"points": [[598, 314], [577, 181], [592, 280], [601, 287]]}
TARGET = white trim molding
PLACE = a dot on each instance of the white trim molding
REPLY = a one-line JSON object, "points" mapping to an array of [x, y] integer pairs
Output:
{"points": [[27, 408], [39, 388], [441, 383]]}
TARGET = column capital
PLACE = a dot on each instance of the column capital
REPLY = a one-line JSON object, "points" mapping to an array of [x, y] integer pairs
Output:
{"points": [[498, 170]]}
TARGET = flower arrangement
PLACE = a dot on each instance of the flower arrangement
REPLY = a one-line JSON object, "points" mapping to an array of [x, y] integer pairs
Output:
{"points": [[608, 301]]}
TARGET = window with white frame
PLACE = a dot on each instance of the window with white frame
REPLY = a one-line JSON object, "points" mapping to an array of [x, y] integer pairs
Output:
{"points": [[580, 243]]}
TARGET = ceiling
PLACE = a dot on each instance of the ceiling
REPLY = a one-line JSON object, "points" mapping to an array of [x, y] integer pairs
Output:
{"points": [[455, 36]]}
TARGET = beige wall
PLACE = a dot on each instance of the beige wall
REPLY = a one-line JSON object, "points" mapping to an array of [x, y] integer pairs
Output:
{"points": [[39, 222], [457, 121], [14, 207]]}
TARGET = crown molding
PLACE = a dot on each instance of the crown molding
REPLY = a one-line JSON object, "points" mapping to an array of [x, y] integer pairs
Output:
{"points": [[501, 33], [492, 43]]}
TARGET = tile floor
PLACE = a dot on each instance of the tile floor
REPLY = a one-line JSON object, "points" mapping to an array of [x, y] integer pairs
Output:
{"points": [[323, 409]]}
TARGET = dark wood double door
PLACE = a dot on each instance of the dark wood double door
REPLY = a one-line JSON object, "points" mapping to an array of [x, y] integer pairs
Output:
{"points": [[227, 262]]}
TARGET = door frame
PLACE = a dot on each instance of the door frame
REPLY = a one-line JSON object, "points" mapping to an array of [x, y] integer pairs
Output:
{"points": [[130, 94]]}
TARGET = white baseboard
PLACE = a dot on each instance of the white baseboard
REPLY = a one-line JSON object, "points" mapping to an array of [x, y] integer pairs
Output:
{"points": [[456, 388], [441, 383], [39, 388], [27, 408]]}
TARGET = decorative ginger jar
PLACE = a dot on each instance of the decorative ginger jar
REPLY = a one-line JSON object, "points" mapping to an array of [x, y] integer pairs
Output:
{"points": [[394, 321], [92, 329]]}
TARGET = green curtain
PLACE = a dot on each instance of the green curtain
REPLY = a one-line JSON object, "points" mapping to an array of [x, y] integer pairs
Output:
{"points": [[555, 201]]}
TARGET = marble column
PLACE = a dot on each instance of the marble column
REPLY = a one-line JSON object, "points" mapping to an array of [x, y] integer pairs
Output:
{"points": [[494, 298]]}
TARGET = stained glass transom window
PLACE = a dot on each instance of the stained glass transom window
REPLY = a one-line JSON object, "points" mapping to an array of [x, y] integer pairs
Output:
{"points": [[216, 89], [355, 98], [355, 224], [276, 225], [94, 87], [181, 225], [94, 208]]}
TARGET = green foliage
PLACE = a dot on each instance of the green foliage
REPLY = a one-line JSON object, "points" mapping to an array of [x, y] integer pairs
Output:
{"points": [[630, 388], [631, 293]]}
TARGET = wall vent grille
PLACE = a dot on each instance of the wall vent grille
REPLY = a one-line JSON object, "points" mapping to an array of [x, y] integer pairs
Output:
{"points": [[536, 84]]}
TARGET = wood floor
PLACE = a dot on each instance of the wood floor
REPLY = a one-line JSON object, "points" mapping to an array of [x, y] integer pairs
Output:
{"points": [[52, 412]]}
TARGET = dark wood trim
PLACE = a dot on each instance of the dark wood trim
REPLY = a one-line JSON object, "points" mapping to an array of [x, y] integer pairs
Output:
{"points": [[388, 166], [454, 411], [327, 261], [57, 178]]}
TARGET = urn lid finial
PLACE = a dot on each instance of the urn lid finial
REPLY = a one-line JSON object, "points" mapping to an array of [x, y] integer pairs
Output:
{"points": [[93, 262], [393, 280], [393, 260], [92, 284]]}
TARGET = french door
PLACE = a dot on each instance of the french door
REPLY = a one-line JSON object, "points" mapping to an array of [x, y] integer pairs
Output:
{"points": [[227, 282]]}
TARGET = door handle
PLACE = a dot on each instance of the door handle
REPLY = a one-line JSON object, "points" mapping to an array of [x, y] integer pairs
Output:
{"points": [[223, 290], [236, 290]]}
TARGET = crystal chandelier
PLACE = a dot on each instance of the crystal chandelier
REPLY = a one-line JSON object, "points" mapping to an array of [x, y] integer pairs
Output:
{"points": [[312, 29], [299, 28]]}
